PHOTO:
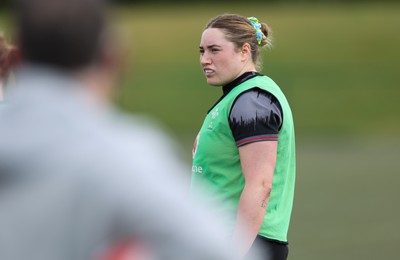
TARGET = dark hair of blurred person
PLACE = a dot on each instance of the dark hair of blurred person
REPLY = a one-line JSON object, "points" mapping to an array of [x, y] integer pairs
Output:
{"points": [[69, 36], [61, 33]]}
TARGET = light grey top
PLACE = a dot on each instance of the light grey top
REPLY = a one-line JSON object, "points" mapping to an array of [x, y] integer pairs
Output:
{"points": [[76, 178]]}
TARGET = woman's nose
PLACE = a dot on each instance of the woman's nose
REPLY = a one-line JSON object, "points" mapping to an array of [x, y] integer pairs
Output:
{"points": [[205, 59]]}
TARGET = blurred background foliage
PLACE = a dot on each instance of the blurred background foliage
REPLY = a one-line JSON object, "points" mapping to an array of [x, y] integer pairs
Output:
{"points": [[338, 63]]}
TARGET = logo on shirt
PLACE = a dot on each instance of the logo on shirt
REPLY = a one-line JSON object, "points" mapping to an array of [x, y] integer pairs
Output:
{"points": [[214, 115]]}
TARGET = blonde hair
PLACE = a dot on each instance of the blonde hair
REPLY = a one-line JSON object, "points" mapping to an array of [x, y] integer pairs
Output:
{"points": [[239, 31]]}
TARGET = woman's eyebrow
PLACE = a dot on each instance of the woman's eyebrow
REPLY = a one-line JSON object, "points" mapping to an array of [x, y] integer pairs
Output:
{"points": [[211, 46]]}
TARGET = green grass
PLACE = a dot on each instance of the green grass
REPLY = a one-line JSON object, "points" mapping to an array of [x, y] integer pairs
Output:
{"points": [[346, 200]]}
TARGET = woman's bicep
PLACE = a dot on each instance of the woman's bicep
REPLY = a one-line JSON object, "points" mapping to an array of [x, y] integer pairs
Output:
{"points": [[258, 161]]}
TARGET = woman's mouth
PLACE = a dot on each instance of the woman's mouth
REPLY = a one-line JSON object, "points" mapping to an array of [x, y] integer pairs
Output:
{"points": [[208, 72]]}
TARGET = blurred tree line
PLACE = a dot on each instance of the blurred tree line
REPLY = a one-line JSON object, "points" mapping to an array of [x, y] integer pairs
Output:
{"points": [[7, 3], [264, 1], [230, 1]]}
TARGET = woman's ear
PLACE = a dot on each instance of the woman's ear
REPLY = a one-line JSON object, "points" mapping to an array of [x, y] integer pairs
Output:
{"points": [[245, 51]]}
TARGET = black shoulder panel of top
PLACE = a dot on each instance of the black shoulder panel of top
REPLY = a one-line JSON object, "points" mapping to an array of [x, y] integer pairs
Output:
{"points": [[256, 115]]}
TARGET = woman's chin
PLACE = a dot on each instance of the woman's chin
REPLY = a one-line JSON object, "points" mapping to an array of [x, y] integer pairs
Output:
{"points": [[213, 83]]}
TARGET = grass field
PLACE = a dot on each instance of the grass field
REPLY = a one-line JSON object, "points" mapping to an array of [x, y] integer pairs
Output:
{"points": [[346, 203], [339, 67], [341, 59]]}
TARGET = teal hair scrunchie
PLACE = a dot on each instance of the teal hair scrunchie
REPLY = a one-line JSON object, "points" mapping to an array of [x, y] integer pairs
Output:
{"points": [[257, 26]]}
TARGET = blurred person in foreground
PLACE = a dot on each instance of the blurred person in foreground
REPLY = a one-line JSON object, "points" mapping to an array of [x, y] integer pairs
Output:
{"points": [[244, 154], [8, 59], [77, 180]]}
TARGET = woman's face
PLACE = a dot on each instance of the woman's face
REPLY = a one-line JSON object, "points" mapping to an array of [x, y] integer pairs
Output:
{"points": [[220, 60]]}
